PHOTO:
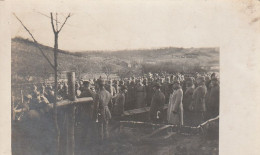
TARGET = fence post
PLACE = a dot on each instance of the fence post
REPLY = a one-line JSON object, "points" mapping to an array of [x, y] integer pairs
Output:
{"points": [[71, 114]]}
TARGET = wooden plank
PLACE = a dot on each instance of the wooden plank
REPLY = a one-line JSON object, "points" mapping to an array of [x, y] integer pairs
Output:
{"points": [[139, 111], [77, 101]]}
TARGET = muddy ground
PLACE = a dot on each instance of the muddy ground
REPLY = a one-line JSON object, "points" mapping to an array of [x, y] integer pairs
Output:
{"points": [[130, 142], [32, 139]]}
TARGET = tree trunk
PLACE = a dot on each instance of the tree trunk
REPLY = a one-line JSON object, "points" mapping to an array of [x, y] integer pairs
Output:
{"points": [[55, 94]]}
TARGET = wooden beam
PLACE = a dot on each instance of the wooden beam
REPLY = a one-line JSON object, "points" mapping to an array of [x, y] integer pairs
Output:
{"points": [[85, 100], [139, 111], [71, 114]]}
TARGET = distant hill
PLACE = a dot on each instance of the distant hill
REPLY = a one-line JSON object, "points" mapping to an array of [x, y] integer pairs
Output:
{"points": [[27, 59]]}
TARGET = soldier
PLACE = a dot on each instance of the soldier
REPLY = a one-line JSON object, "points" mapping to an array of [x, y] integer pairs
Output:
{"points": [[22, 108], [42, 89], [175, 107], [86, 91], [131, 96], [149, 93], [118, 108], [65, 91], [103, 112], [111, 89], [187, 99], [140, 95], [116, 86], [214, 98], [166, 91], [50, 95], [158, 100], [198, 105], [60, 90]]}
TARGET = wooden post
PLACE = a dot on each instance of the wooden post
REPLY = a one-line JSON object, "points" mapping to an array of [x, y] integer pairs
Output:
{"points": [[71, 86], [71, 114]]}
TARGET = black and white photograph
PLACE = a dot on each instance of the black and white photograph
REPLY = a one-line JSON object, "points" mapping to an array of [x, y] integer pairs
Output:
{"points": [[131, 78]]}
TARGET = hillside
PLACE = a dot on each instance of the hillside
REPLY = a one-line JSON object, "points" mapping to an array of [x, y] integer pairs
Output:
{"points": [[27, 60], [206, 56]]}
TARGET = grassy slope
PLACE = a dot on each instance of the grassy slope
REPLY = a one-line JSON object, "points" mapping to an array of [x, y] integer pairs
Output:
{"points": [[25, 55]]}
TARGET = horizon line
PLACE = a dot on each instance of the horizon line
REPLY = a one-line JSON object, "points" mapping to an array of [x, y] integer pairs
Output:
{"points": [[117, 50]]}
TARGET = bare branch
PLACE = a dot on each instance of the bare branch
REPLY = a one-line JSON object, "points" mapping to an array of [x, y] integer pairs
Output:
{"points": [[64, 22], [36, 43], [53, 29], [57, 22], [55, 19]]}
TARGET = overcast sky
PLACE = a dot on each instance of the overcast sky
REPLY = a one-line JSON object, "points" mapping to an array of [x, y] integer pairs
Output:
{"points": [[132, 25]]}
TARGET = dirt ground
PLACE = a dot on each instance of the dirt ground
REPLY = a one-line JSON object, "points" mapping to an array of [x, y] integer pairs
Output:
{"points": [[129, 142]]}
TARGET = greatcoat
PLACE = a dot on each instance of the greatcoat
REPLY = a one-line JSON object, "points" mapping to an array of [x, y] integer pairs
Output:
{"points": [[175, 108]]}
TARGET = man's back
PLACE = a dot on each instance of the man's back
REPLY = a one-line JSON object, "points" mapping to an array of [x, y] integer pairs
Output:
{"points": [[158, 100], [104, 97], [199, 98]]}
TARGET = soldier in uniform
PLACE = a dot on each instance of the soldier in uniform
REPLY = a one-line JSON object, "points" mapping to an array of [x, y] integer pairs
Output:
{"points": [[158, 100], [214, 98], [116, 86], [103, 112], [84, 116], [175, 107], [118, 108], [166, 90], [131, 96], [86, 91], [65, 91], [111, 89], [149, 90], [198, 105], [187, 99], [140, 95]]}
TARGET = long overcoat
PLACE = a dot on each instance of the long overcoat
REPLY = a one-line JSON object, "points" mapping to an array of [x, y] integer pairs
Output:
{"points": [[175, 108], [198, 97], [157, 104]]}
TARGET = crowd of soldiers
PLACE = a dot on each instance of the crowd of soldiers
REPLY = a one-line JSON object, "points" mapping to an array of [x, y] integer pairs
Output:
{"points": [[190, 98]]}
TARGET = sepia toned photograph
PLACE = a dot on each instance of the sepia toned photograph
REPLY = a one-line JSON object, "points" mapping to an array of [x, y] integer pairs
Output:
{"points": [[69, 95], [135, 77]]}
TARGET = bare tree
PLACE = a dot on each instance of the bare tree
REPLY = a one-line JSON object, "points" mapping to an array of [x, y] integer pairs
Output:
{"points": [[56, 32]]}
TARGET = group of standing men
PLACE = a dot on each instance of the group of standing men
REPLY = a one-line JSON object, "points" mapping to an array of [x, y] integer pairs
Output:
{"points": [[190, 98]]}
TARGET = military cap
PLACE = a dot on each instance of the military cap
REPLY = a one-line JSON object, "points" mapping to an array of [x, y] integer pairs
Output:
{"points": [[201, 78]]}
